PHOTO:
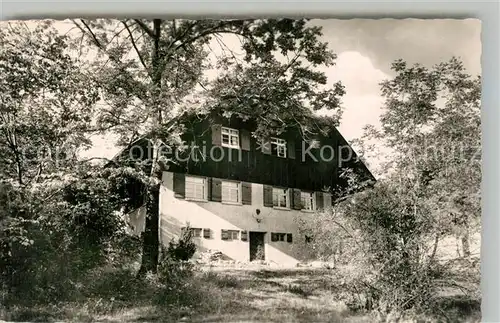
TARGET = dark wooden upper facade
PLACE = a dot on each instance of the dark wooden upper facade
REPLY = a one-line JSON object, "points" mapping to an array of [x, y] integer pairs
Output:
{"points": [[206, 155]]}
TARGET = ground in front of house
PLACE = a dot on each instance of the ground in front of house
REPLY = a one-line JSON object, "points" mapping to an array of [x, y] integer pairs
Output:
{"points": [[260, 294], [255, 293]]}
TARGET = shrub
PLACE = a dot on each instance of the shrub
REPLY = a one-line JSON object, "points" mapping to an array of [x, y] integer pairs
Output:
{"points": [[175, 272], [183, 249]]}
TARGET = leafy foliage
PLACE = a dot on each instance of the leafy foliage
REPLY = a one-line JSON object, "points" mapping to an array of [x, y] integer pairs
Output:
{"points": [[432, 121], [47, 102], [183, 249], [430, 189]]}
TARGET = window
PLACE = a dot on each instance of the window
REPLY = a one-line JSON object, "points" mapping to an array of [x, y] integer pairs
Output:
{"points": [[231, 192], [195, 232], [278, 147], [281, 237], [230, 234], [230, 137], [280, 197], [307, 201], [234, 235], [196, 188]]}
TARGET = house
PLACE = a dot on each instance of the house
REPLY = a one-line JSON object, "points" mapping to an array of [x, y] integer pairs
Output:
{"points": [[243, 196]]}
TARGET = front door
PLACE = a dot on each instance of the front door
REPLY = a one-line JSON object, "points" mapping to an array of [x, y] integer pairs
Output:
{"points": [[257, 246]]}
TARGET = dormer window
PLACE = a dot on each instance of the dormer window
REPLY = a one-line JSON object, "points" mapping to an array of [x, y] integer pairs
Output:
{"points": [[230, 137], [278, 147]]}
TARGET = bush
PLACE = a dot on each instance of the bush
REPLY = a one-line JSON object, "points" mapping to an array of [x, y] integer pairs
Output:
{"points": [[382, 233], [44, 249], [175, 272], [181, 250]]}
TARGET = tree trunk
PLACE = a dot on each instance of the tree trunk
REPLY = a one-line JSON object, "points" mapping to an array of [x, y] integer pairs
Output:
{"points": [[151, 240], [466, 245], [150, 237], [434, 248]]}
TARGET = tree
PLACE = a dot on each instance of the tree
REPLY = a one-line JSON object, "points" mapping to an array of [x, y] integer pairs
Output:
{"points": [[432, 123], [431, 187], [46, 106], [148, 70], [46, 103]]}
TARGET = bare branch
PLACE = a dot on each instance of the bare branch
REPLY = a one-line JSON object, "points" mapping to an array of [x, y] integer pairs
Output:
{"points": [[89, 31], [135, 47], [145, 27]]}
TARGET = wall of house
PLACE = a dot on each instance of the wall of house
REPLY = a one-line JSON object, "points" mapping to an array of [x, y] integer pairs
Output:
{"points": [[176, 213]]}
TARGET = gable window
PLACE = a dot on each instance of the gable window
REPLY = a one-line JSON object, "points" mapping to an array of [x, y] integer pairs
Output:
{"points": [[196, 188], [307, 201], [278, 147], [231, 192], [230, 137], [280, 197]]}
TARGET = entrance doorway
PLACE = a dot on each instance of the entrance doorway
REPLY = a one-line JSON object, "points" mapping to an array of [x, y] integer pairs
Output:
{"points": [[257, 251]]}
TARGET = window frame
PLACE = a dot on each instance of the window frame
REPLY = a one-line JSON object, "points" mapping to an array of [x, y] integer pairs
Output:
{"points": [[285, 194], [205, 188], [239, 193], [279, 143], [312, 199], [279, 236], [198, 230], [231, 135], [193, 231], [232, 235]]}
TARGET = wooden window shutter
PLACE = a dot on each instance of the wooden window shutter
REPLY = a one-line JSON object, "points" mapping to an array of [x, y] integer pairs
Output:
{"points": [[216, 190], [245, 139], [319, 200], [216, 135], [290, 149], [244, 235], [297, 201], [224, 235], [246, 193], [268, 195], [209, 188], [265, 146], [289, 238], [207, 234], [274, 236], [179, 185]]}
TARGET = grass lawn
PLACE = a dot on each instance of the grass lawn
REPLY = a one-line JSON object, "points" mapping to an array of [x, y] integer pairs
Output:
{"points": [[258, 295], [237, 295]]}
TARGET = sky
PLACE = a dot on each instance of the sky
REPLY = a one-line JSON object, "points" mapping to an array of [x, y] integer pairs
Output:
{"points": [[365, 49]]}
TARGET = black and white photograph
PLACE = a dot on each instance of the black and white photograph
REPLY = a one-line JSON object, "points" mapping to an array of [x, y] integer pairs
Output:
{"points": [[240, 170]]}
